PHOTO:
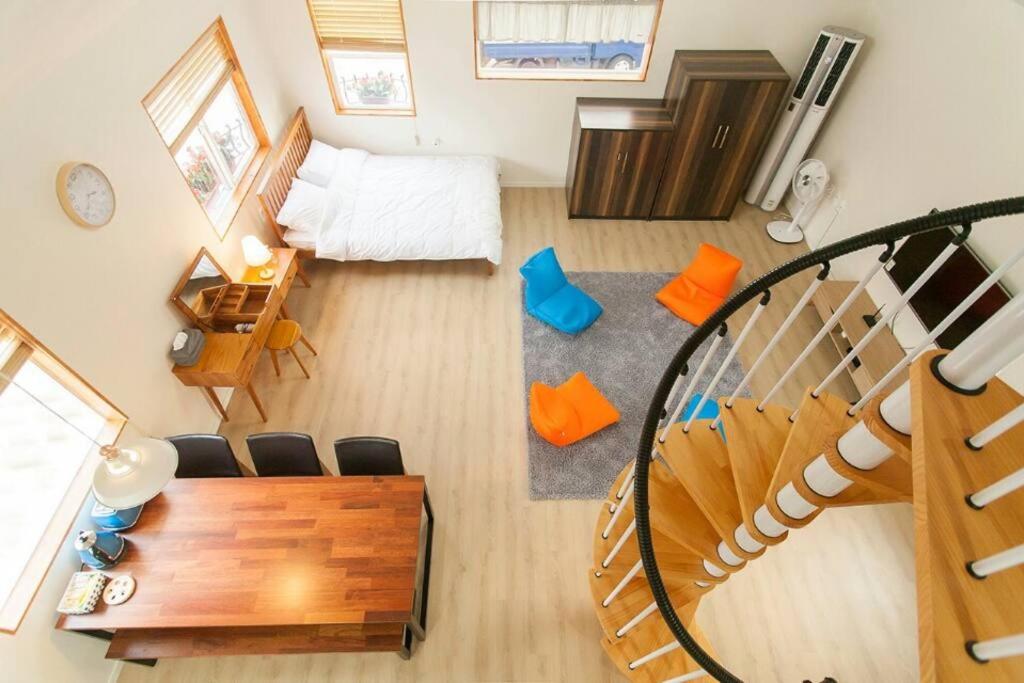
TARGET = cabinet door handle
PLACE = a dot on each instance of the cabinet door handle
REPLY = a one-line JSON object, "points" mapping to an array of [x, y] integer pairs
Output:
{"points": [[717, 133], [721, 145], [625, 158]]}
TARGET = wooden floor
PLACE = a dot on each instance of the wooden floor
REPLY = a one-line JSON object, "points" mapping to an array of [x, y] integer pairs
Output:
{"points": [[430, 354]]}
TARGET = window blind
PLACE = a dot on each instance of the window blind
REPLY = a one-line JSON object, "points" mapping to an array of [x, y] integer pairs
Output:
{"points": [[358, 24], [194, 79], [561, 21]]}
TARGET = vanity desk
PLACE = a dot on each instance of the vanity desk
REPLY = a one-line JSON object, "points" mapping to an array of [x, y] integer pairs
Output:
{"points": [[229, 358]]}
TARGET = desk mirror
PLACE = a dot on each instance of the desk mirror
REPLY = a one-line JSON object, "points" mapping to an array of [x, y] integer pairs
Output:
{"points": [[203, 276]]}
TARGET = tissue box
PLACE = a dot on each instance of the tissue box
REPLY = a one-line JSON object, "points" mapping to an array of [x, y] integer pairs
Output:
{"points": [[193, 348]]}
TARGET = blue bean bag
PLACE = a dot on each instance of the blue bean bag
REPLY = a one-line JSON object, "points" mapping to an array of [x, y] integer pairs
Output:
{"points": [[552, 299]]}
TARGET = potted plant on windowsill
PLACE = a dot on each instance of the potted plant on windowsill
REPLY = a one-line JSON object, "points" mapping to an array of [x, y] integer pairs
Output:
{"points": [[377, 89]]}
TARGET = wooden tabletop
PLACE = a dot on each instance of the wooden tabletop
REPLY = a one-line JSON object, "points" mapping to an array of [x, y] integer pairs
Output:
{"points": [[280, 263], [270, 551]]}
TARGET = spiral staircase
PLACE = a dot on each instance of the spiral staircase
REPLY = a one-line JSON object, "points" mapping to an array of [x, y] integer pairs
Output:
{"points": [[704, 498]]}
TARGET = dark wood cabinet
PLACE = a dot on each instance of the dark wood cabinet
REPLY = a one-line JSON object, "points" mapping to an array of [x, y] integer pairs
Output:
{"points": [[686, 156], [619, 148]]}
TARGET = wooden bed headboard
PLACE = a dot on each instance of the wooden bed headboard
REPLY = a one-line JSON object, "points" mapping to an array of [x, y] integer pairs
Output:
{"points": [[284, 164]]}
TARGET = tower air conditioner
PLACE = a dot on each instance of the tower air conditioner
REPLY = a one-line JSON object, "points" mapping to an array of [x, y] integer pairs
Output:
{"points": [[815, 91]]}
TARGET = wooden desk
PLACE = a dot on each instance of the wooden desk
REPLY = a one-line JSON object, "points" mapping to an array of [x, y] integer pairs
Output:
{"points": [[273, 565], [229, 358], [879, 356]]}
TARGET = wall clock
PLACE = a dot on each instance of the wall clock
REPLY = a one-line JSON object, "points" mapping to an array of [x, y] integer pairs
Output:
{"points": [[85, 194]]}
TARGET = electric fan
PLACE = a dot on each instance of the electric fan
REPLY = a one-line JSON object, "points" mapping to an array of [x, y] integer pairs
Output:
{"points": [[809, 183]]}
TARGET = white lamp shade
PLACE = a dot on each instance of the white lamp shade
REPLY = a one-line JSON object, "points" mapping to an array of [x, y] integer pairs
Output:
{"points": [[255, 252], [136, 474]]}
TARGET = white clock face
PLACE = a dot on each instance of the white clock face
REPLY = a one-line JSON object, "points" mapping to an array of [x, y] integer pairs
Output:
{"points": [[90, 194]]}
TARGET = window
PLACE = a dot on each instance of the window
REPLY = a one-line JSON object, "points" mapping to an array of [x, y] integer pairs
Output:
{"points": [[362, 44], [581, 40], [49, 418], [205, 114]]}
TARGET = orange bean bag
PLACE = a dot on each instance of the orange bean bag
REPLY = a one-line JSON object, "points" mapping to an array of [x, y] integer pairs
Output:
{"points": [[695, 293], [570, 412]]}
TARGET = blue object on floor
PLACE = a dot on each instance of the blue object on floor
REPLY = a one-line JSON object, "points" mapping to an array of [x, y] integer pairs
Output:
{"points": [[551, 298], [708, 412]]}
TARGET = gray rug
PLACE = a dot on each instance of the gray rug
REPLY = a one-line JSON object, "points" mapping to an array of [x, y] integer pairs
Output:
{"points": [[623, 354]]}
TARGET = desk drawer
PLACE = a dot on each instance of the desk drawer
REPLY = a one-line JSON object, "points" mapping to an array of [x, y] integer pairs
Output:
{"points": [[254, 640], [286, 281]]}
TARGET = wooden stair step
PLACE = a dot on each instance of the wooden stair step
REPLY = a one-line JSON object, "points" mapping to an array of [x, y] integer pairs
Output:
{"points": [[820, 420], [700, 461], [675, 514], [754, 441], [952, 606], [672, 556], [634, 598], [651, 634]]}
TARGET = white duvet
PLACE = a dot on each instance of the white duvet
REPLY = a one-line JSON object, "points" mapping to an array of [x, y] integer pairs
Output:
{"points": [[389, 208]]}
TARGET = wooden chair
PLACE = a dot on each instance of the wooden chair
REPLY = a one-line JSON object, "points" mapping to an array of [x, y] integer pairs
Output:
{"points": [[284, 335]]}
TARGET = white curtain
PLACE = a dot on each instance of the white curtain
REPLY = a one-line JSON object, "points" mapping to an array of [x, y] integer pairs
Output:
{"points": [[590, 21]]}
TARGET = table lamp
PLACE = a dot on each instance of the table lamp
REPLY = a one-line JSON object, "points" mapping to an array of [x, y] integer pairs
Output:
{"points": [[133, 474], [257, 255]]}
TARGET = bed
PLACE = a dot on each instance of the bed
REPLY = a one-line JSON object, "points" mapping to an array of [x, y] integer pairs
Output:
{"points": [[350, 205]]}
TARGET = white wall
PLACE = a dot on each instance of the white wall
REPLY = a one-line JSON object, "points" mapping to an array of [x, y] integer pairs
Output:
{"points": [[525, 124], [932, 117], [71, 89]]}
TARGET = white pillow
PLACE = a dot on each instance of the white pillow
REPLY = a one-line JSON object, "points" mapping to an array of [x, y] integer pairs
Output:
{"points": [[319, 164], [303, 207]]}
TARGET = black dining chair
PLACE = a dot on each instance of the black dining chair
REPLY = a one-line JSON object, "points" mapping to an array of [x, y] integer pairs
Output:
{"points": [[284, 454], [204, 455], [368, 456]]}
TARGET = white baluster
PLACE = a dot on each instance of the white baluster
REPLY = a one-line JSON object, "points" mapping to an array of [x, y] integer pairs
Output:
{"points": [[994, 492], [644, 613], [618, 544], [986, 284], [715, 343], [625, 483], [998, 648], [686, 678], [997, 428], [630, 575], [997, 563], [829, 324], [894, 310], [617, 513], [632, 469], [663, 650], [702, 584], [765, 298], [786, 324]]}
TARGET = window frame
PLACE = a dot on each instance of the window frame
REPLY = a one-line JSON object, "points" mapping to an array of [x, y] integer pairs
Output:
{"points": [[556, 75], [336, 98], [14, 606], [247, 178]]}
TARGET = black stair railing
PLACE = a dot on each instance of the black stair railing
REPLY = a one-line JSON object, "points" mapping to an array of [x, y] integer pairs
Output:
{"points": [[964, 216]]}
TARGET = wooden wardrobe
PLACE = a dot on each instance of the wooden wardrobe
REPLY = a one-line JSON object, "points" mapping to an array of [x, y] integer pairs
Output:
{"points": [[684, 157]]}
